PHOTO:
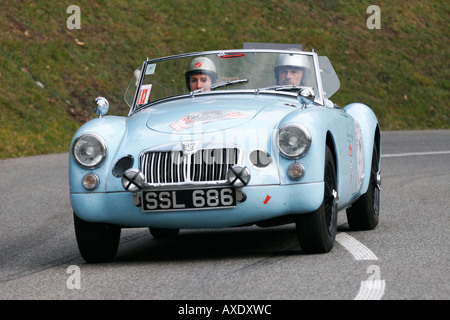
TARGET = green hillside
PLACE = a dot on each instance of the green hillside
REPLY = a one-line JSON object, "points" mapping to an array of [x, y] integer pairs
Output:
{"points": [[49, 74]]}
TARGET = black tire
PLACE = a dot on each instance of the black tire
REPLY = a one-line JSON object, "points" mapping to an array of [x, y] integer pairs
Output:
{"points": [[158, 233], [364, 214], [97, 242], [316, 231]]}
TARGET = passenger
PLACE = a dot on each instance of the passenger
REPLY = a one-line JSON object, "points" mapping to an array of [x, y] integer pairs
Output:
{"points": [[200, 74]]}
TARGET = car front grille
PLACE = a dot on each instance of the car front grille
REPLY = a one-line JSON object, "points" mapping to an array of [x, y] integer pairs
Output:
{"points": [[171, 167]]}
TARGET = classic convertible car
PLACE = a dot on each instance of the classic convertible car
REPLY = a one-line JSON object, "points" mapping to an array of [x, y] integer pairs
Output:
{"points": [[223, 139]]}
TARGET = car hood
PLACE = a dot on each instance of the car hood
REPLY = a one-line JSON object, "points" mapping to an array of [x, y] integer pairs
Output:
{"points": [[207, 114]]}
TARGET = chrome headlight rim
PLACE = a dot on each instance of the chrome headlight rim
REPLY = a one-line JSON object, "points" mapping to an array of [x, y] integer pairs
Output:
{"points": [[305, 148], [102, 154]]}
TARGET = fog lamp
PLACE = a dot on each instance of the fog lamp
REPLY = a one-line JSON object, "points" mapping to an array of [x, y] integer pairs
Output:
{"points": [[238, 176], [133, 180]]}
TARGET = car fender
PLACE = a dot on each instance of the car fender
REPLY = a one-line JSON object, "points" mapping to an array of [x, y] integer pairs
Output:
{"points": [[329, 123], [370, 134], [315, 120], [112, 130]]}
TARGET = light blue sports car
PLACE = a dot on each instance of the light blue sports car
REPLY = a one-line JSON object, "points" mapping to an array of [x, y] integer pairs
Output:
{"points": [[224, 139]]}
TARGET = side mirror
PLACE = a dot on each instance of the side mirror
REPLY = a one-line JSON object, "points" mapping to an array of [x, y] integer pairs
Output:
{"points": [[305, 96], [101, 106]]}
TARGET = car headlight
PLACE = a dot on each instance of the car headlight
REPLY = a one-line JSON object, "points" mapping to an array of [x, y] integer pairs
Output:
{"points": [[89, 150], [293, 140]]}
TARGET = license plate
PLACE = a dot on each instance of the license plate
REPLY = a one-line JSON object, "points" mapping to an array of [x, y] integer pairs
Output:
{"points": [[188, 199]]}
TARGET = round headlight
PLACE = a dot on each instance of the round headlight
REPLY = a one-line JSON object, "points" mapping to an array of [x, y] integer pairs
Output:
{"points": [[89, 150], [293, 140]]}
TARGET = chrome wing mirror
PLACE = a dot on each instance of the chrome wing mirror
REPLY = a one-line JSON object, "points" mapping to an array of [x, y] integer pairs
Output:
{"points": [[305, 96], [101, 106]]}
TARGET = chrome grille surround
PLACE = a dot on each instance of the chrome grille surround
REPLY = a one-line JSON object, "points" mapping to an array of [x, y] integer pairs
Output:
{"points": [[193, 162]]}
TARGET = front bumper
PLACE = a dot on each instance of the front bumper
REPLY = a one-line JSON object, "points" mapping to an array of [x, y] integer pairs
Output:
{"points": [[262, 203]]}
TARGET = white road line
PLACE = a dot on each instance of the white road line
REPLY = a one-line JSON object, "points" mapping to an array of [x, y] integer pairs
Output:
{"points": [[370, 289], [390, 155], [356, 248]]}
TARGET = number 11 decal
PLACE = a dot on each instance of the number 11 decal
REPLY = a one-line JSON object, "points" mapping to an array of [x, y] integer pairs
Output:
{"points": [[144, 94]]}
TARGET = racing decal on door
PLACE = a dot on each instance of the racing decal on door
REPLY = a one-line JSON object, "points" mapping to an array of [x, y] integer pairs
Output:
{"points": [[198, 118], [359, 152], [350, 140], [144, 94], [350, 154]]}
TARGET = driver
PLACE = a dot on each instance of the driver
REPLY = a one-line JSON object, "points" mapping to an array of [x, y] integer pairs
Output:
{"points": [[291, 69], [200, 74]]}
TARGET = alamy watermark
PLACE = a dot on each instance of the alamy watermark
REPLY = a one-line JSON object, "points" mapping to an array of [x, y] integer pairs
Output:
{"points": [[375, 272], [74, 21], [74, 280], [374, 20]]}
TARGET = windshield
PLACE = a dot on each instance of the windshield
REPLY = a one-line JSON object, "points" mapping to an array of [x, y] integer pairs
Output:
{"points": [[215, 72]]}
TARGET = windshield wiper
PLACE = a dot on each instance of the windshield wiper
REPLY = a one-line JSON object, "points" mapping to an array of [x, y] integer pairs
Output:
{"points": [[289, 87], [228, 83], [220, 85]]}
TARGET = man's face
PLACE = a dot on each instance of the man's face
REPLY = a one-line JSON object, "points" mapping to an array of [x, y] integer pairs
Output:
{"points": [[200, 81], [290, 76]]}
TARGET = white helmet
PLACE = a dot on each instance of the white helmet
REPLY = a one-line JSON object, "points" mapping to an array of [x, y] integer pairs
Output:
{"points": [[299, 61], [201, 65]]}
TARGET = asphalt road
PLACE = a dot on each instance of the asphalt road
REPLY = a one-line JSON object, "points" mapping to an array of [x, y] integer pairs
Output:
{"points": [[405, 257]]}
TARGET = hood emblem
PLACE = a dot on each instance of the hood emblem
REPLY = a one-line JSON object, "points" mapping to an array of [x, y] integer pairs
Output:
{"points": [[189, 147]]}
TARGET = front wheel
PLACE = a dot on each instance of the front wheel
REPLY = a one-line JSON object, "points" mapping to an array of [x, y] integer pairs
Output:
{"points": [[316, 231], [97, 242], [365, 212]]}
